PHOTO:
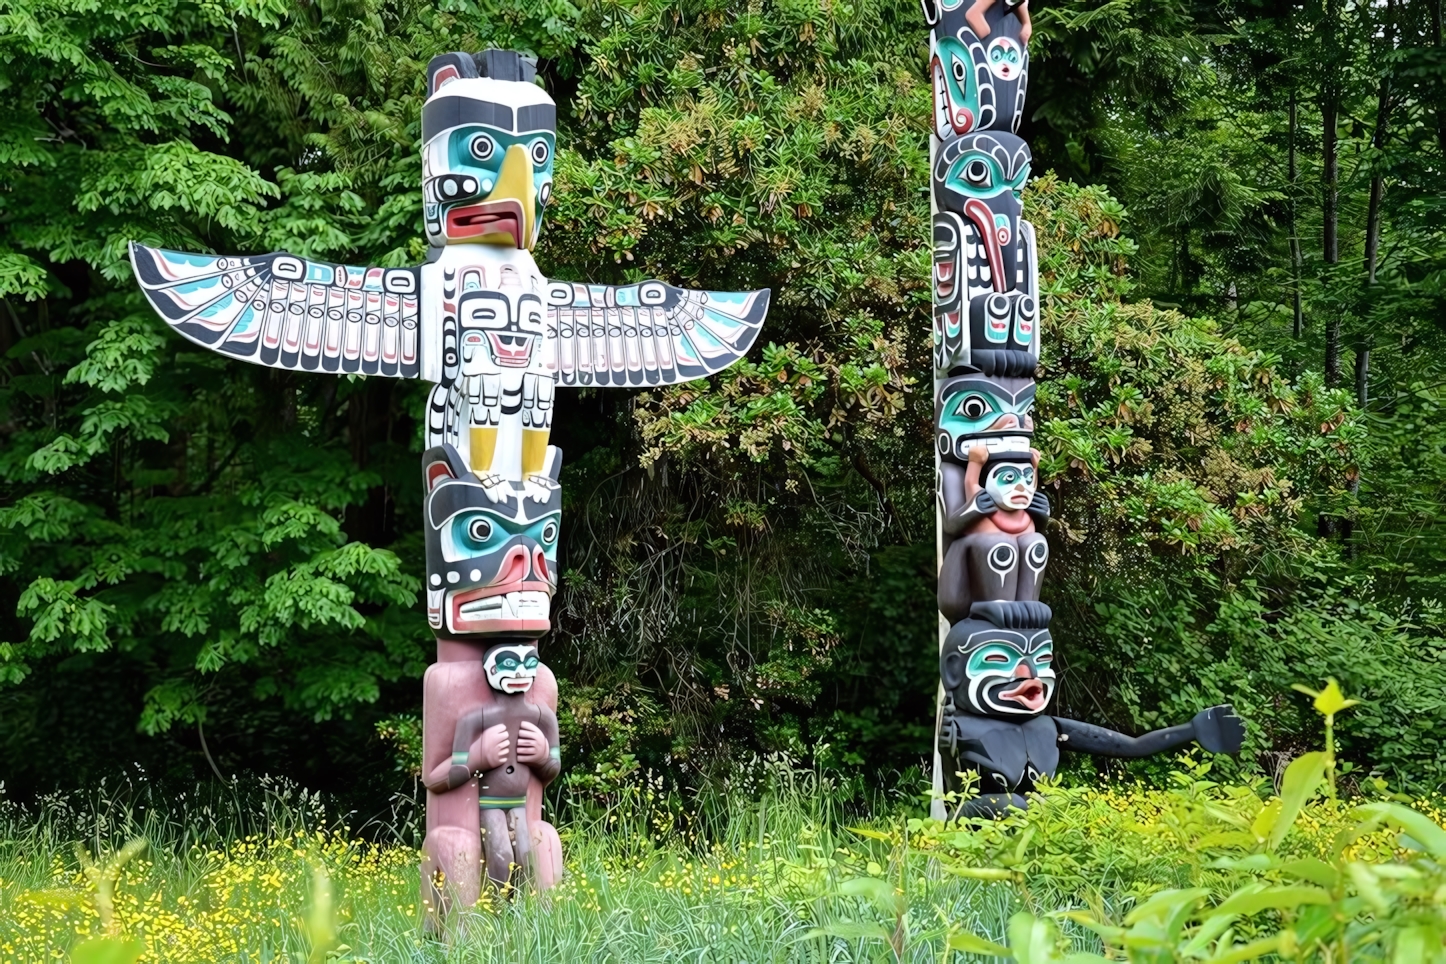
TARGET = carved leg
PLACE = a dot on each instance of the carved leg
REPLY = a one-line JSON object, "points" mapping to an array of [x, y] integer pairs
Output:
{"points": [[521, 839], [450, 860], [1033, 556], [497, 846], [546, 854]]}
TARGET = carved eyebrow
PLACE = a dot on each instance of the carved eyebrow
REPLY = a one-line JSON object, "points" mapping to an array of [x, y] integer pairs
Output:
{"points": [[443, 113], [537, 118]]}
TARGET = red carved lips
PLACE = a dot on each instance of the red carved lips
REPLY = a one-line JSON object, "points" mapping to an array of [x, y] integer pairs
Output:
{"points": [[489, 217], [1030, 694], [510, 349]]}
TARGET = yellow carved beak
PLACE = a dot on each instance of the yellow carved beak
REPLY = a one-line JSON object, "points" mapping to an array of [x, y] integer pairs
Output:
{"points": [[514, 183]]}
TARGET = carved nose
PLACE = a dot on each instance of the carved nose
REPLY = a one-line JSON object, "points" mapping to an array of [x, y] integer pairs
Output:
{"points": [[514, 566], [539, 565], [1007, 420], [1023, 671]]}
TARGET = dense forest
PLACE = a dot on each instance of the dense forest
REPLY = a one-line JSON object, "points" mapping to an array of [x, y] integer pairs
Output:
{"points": [[214, 566]]}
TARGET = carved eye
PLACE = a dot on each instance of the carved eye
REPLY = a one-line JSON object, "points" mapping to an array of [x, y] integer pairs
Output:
{"points": [[480, 530], [976, 172], [973, 406], [1044, 658], [1028, 476], [549, 533], [482, 147], [540, 152], [544, 193], [995, 658], [531, 662], [959, 72]]}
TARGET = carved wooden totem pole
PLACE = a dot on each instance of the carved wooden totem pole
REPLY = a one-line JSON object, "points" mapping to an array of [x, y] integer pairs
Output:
{"points": [[495, 337], [996, 655]]}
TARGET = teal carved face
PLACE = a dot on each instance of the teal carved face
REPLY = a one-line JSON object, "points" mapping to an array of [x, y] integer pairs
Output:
{"points": [[976, 174], [1011, 485], [479, 150], [480, 531], [976, 407], [997, 671]]}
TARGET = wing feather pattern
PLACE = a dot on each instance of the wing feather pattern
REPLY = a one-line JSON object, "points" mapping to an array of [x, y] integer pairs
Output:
{"points": [[649, 333], [286, 312]]}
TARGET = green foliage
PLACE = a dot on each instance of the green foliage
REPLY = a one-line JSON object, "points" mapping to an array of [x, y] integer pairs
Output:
{"points": [[224, 559]]}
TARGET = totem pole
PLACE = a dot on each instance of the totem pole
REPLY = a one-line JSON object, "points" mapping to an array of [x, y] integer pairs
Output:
{"points": [[996, 654], [494, 336]]}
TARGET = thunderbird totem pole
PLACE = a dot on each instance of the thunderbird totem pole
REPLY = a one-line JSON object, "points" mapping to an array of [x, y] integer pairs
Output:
{"points": [[996, 654], [494, 336]]}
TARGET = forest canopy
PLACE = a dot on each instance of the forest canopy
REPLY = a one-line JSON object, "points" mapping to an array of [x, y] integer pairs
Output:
{"points": [[1240, 211]]}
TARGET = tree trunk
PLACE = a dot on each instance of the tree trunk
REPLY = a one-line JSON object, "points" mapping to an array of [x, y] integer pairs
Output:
{"points": [[1378, 145], [1330, 177], [1298, 326]]}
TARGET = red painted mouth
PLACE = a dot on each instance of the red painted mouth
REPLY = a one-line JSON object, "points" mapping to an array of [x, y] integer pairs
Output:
{"points": [[489, 217], [510, 349], [1030, 694], [514, 685]]}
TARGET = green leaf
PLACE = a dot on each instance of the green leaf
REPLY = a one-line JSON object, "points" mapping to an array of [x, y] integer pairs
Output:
{"points": [[1246, 902], [1312, 869], [1329, 701], [1033, 940], [880, 892], [107, 950], [970, 943], [1302, 778], [1423, 831]]}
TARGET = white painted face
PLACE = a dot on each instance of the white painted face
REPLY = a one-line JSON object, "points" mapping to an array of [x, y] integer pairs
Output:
{"points": [[511, 668], [1011, 484]]}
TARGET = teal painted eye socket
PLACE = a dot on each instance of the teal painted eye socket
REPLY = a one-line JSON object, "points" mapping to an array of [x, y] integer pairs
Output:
{"points": [[1044, 658], [994, 659], [482, 146], [507, 662], [477, 533], [541, 151], [961, 73], [531, 663], [548, 535], [1007, 475], [974, 406]]}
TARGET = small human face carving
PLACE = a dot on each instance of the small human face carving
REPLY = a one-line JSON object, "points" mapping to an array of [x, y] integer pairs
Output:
{"points": [[511, 669], [1011, 485]]}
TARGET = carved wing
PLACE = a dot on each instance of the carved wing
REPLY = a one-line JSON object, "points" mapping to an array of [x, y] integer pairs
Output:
{"points": [[286, 312], [649, 333]]}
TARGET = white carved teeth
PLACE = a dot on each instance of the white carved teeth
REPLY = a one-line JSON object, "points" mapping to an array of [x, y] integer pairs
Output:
{"points": [[1001, 443], [531, 604]]}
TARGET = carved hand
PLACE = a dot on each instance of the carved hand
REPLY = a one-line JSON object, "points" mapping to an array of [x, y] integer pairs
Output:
{"points": [[531, 745], [495, 745], [984, 504], [1218, 729]]}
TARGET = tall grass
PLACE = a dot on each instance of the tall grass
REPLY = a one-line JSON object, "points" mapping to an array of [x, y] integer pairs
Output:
{"points": [[239, 873]]}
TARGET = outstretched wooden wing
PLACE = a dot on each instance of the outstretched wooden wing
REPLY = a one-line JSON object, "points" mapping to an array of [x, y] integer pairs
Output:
{"points": [[649, 333], [287, 312]]}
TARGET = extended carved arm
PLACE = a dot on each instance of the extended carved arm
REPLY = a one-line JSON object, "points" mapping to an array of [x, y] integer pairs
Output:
{"points": [[1216, 729]]}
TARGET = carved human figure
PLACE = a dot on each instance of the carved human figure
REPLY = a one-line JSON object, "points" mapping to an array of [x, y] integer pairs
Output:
{"points": [[993, 548], [508, 743], [997, 667]]}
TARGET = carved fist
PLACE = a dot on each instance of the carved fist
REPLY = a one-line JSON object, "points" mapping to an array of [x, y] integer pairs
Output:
{"points": [[531, 744], [539, 487], [457, 776], [495, 746], [978, 454], [1219, 730], [984, 504], [492, 486]]}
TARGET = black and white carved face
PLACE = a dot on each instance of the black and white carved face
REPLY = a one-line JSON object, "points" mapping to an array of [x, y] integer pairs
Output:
{"points": [[491, 552], [996, 412], [999, 671], [511, 668]]}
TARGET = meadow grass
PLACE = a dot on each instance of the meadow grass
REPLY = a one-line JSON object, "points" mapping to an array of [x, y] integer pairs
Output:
{"points": [[773, 870], [236, 874]]}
